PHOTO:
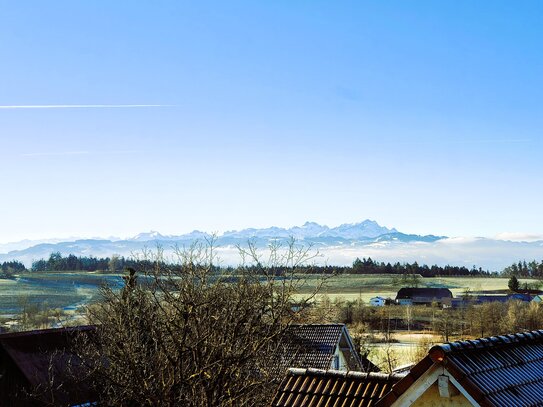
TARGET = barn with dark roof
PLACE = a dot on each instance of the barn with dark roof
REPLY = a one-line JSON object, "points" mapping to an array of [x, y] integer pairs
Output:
{"points": [[413, 296]]}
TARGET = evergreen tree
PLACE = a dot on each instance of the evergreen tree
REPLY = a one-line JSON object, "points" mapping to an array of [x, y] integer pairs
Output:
{"points": [[513, 283]]}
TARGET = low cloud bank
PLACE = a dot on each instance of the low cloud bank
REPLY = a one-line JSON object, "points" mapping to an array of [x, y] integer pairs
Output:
{"points": [[519, 237], [492, 255]]}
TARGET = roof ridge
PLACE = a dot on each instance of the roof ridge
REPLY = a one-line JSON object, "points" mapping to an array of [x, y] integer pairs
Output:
{"points": [[491, 341], [34, 332], [293, 371]]}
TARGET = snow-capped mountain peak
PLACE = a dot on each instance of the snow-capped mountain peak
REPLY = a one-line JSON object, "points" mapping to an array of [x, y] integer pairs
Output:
{"points": [[366, 228], [146, 236]]}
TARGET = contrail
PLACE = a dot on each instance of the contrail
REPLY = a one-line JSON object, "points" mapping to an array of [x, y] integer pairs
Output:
{"points": [[77, 106], [69, 153]]}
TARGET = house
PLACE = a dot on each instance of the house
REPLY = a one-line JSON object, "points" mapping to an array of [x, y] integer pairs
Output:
{"points": [[321, 346], [377, 302], [38, 363], [313, 387], [422, 296], [497, 371]]}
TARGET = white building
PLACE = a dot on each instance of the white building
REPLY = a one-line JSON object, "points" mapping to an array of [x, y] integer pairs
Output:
{"points": [[377, 301]]}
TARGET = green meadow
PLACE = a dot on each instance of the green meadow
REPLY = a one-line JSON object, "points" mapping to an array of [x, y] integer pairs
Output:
{"points": [[70, 290], [62, 290], [366, 286]]}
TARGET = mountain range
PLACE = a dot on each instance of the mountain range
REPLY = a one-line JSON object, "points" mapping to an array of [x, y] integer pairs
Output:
{"points": [[337, 245], [367, 229]]}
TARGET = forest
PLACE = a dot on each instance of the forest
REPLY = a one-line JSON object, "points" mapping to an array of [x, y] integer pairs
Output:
{"points": [[58, 262]]}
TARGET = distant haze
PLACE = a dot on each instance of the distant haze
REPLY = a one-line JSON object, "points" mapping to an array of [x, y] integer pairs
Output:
{"points": [[338, 245]]}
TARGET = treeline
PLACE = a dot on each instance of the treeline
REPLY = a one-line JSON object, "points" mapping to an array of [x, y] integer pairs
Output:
{"points": [[57, 262], [9, 268], [369, 266], [532, 269]]}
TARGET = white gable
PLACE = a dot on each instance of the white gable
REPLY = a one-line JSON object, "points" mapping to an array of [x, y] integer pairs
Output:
{"points": [[436, 387]]}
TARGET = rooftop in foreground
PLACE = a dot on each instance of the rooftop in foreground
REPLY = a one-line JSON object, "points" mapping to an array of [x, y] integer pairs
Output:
{"points": [[505, 370], [314, 387]]}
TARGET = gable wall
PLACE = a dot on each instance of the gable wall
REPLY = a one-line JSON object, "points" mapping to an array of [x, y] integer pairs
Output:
{"points": [[425, 391], [431, 398], [343, 365]]}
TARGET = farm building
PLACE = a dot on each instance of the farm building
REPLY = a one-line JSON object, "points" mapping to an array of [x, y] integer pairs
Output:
{"points": [[377, 301], [35, 371], [520, 297], [312, 387], [321, 346], [483, 299], [422, 296], [497, 371]]}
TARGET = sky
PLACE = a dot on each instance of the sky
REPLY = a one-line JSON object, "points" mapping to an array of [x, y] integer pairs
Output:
{"points": [[129, 116]]}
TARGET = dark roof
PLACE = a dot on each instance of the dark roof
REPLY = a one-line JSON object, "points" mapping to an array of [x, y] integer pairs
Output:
{"points": [[314, 345], [438, 293], [490, 298], [502, 370], [37, 355], [520, 297], [313, 387], [482, 299]]}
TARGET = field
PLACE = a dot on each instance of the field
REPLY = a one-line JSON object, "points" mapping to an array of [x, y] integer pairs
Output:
{"points": [[70, 289], [64, 290], [409, 348], [366, 286]]}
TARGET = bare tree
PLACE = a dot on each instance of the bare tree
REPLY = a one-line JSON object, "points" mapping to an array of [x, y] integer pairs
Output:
{"points": [[192, 334], [388, 358], [445, 323]]}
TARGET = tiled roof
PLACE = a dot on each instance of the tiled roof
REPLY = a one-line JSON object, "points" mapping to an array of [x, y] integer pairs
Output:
{"points": [[33, 351], [502, 370], [311, 345], [38, 355], [314, 345], [332, 388]]}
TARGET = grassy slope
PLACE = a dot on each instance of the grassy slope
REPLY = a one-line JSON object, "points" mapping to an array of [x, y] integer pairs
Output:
{"points": [[62, 289], [353, 286]]}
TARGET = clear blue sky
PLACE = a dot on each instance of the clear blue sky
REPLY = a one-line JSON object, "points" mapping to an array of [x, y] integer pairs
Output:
{"points": [[425, 116]]}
